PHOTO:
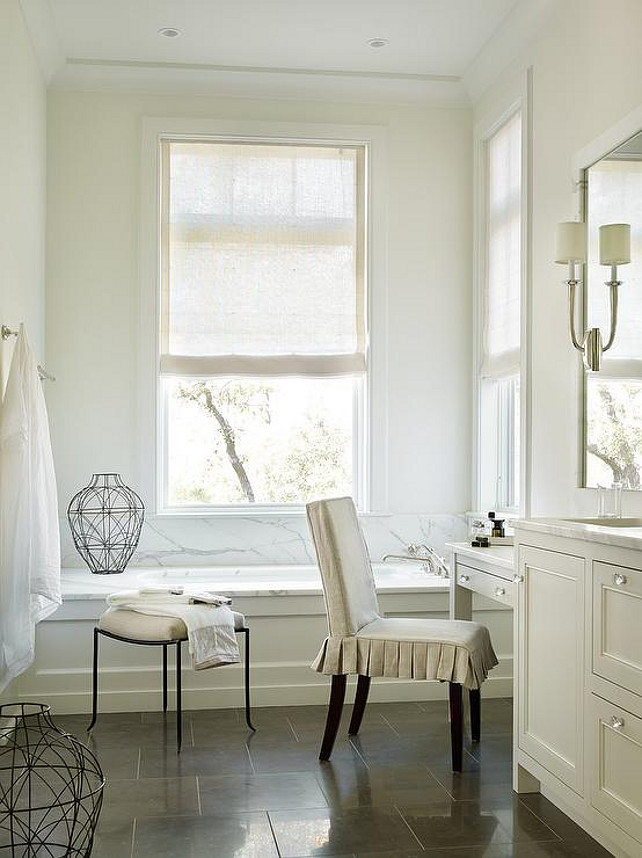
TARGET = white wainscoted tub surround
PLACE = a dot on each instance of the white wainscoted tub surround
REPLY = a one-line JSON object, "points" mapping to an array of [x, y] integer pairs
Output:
{"points": [[282, 601]]}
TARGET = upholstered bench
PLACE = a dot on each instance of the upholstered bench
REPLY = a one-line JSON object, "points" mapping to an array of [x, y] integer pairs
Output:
{"points": [[136, 628]]}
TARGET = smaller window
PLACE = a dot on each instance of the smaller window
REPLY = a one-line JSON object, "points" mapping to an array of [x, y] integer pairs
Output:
{"points": [[499, 324]]}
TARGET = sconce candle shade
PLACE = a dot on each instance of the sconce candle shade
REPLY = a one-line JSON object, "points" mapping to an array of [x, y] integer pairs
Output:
{"points": [[570, 242], [615, 244]]}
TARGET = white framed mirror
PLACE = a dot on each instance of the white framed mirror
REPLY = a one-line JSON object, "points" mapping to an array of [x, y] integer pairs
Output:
{"points": [[612, 398]]}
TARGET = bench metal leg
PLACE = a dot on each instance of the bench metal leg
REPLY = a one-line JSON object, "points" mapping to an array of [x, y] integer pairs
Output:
{"points": [[179, 705], [164, 677], [94, 683], [248, 719]]}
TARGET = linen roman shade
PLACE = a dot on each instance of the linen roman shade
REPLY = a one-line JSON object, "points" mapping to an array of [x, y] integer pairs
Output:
{"points": [[263, 259], [503, 241]]}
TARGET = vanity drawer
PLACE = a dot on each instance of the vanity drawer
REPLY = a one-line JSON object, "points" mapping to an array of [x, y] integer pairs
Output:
{"points": [[617, 625], [486, 584], [616, 762]]}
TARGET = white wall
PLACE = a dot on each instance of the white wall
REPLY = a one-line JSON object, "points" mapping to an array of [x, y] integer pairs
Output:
{"points": [[22, 188], [94, 144], [22, 182], [587, 75]]}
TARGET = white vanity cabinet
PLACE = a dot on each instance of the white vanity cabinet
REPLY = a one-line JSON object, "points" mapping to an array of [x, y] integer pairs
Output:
{"points": [[550, 646], [578, 684]]}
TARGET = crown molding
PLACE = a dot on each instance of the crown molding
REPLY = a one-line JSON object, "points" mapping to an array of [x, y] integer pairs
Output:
{"points": [[86, 74], [508, 43], [40, 24]]}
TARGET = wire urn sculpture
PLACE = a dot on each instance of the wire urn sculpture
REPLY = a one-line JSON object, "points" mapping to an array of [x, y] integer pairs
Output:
{"points": [[106, 518], [51, 787]]}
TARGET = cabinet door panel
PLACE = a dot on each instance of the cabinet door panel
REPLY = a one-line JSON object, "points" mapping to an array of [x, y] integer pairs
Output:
{"points": [[617, 625], [551, 684], [616, 752]]}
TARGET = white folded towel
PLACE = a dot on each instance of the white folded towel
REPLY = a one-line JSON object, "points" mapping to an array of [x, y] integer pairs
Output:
{"points": [[207, 617]]}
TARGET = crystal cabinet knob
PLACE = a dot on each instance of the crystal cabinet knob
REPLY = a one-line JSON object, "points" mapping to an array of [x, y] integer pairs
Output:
{"points": [[499, 591], [464, 578], [616, 722], [518, 579], [619, 579]]}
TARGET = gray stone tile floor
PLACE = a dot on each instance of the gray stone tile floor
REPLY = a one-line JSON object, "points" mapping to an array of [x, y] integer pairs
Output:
{"points": [[388, 793]]}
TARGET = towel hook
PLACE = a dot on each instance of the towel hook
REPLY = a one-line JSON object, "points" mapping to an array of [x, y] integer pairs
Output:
{"points": [[6, 332]]}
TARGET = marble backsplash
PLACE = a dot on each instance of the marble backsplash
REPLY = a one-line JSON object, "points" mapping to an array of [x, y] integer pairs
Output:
{"points": [[254, 540]]}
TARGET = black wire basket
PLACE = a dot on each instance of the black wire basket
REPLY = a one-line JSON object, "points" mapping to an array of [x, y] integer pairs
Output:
{"points": [[51, 787], [106, 518]]}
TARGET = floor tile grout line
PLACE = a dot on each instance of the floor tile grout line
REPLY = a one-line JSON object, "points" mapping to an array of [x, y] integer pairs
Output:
{"points": [[140, 754], [406, 823], [291, 726], [198, 797], [539, 818], [249, 756], [394, 729], [359, 754], [276, 842], [133, 839]]}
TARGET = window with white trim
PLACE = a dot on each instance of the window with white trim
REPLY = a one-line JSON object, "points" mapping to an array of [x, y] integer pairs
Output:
{"points": [[499, 322], [262, 355]]}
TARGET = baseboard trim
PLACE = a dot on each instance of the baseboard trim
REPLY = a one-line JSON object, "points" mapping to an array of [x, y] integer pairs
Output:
{"points": [[299, 694]]}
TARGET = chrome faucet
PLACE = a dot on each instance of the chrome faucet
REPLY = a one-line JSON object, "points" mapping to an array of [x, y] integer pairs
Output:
{"points": [[421, 553]]}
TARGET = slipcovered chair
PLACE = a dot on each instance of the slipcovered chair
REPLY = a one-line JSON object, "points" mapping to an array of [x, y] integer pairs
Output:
{"points": [[362, 642]]}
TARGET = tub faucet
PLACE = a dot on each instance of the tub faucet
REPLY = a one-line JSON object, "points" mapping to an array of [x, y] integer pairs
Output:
{"points": [[420, 553]]}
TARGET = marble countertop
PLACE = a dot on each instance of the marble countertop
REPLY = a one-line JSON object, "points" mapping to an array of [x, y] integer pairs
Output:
{"points": [[587, 529], [498, 555], [236, 582]]}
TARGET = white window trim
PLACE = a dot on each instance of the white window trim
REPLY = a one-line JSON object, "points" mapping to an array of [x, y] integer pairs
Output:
{"points": [[483, 130], [372, 470]]}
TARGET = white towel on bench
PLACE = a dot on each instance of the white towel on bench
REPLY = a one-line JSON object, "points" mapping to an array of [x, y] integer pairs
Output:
{"points": [[207, 617]]}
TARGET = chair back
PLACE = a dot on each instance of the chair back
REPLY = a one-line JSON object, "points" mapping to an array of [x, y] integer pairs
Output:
{"points": [[348, 582]]}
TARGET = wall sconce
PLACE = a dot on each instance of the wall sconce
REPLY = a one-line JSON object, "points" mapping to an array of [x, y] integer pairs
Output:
{"points": [[615, 249]]}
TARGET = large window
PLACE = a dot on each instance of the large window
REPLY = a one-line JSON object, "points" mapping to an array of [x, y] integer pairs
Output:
{"points": [[500, 265], [262, 322]]}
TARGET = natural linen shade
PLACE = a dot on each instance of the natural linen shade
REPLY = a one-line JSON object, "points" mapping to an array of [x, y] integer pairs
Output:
{"points": [[501, 309], [263, 270]]}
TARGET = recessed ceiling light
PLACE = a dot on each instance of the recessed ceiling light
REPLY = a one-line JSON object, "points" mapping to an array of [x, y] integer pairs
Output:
{"points": [[378, 43], [170, 32]]}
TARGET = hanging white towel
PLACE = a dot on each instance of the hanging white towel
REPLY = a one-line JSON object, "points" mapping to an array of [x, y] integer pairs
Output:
{"points": [[207, 617], [29, 534]]}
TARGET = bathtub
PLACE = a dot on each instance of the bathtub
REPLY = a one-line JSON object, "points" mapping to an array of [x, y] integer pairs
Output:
{"points": [[242, 581], [282, 580]]}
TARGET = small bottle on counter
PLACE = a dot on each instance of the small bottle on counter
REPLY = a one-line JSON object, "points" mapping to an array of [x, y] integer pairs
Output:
{"points": [[497, 525]]}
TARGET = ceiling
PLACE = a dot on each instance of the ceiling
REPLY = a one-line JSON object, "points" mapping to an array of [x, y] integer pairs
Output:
{"points": [[229, 44], [426, 37]]}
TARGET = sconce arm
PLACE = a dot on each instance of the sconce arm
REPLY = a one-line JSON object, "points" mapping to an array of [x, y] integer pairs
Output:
{"points": [[571, 313], [613, 287]]}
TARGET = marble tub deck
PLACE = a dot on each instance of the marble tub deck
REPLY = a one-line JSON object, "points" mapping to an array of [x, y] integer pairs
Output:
{"points": [[388, 793]]}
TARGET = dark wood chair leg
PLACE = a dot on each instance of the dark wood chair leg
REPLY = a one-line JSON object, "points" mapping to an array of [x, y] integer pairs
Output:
{"points": [[456, 724], [164, 677], [360, 700], [94, 683], [248, 719], [179, 703], [474, 696], [335, 707]]}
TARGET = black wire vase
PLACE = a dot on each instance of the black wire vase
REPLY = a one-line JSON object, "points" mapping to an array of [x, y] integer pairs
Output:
{"points": [[51, 787], [106, 518]]}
